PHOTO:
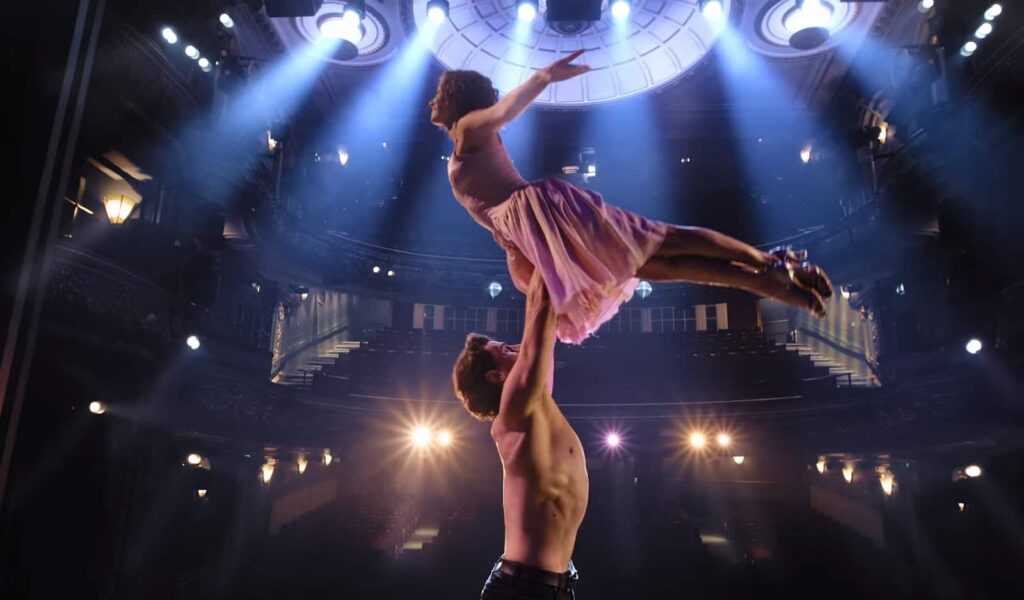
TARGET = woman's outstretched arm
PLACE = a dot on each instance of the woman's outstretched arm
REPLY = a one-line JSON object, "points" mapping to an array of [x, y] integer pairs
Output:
{"points": [[493, 118]]}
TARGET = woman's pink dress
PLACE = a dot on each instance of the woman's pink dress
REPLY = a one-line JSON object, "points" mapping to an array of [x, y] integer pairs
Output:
{"points": [[587, 251]]}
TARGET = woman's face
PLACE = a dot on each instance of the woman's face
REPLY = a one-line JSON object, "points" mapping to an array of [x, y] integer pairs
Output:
{"points": [[440, 110]]}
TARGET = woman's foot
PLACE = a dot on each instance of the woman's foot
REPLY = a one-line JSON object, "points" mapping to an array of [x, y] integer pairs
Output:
{"points": [[807, 275], [785, 283]]}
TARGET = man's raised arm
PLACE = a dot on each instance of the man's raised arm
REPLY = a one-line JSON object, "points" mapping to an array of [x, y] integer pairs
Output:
{"points": [[530, 378]]}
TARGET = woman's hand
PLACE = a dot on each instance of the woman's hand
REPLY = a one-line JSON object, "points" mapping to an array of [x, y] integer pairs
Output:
{"points": [[560, 70]]}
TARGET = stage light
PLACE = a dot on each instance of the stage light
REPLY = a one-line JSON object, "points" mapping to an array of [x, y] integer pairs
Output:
{"points": [[303, 462], [968, 48], [327, 457], [526, 10], [973, 346], [697, 440], [271, 142], [97, 408], [391, 273], [925, 5], [204, 64], [420, 437], [191, 52], [644, 289], [612, 440], [226, 20], [342, 28], [711, 9], [723, 440], [494, 289], [805, 155], [993, 11], [886, 480], [809, 14], [848, 472], [342, 156], [376, 269], [169, 36], [739, 459], [267, 469], [355, 12], [961, 506], [972, 471], [194, 459], [820, 465], [983, 30], [192, 342], [444, 439], [620, 9], [437, 11], [201, 493], [901, 289]]}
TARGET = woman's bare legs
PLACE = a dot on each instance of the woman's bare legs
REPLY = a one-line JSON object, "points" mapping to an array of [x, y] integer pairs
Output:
{"points": [[770, 283], [707, 243]]}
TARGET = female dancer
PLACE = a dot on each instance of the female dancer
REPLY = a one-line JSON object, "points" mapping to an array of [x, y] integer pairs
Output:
{"points": [[590, 253]]}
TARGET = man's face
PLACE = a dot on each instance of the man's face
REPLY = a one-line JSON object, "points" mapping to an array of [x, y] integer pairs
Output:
{"points": [[504, 356]]}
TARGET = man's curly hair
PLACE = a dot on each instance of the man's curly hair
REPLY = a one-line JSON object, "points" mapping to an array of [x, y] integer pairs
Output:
{"points": [[480, 396], [466, 91]]}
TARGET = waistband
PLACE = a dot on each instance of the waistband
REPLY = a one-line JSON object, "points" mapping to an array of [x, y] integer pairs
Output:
{"points": [[563, 581]]}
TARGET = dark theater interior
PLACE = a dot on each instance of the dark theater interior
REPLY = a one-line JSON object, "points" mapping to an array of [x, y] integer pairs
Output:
{"points": [[237, 280]]}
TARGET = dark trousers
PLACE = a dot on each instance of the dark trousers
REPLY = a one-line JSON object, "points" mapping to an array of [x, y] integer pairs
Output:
{"points": [[514, 581]]}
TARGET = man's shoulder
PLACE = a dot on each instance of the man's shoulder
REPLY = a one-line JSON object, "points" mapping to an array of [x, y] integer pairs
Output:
{"points": [[504, 424]]}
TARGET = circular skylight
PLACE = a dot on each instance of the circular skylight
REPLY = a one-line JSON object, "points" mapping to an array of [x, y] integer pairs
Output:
{"points": [[657, 43]]}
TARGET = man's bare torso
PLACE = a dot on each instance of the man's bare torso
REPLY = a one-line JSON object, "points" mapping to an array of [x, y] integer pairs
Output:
{"points": [[545, 487]]}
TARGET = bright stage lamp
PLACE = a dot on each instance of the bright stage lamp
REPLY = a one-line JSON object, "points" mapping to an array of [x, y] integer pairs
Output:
{"points": [[97, 408], [437, 11], [620, 9], [698, 440], [526, 10], [973, 346], [420, 437], [711, 9], [612, 440], [723, 440], [993, 11], [169, 36], [444, 439]]}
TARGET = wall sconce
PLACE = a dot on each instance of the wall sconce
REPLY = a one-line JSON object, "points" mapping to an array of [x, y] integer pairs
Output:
{"points": [[119, 207]]}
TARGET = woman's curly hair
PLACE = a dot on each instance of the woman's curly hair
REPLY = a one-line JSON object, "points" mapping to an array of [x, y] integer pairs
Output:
{"points": [[466, 91]]}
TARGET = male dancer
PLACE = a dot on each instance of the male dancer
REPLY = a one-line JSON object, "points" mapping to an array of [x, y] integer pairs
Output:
{"points": [[545, 486]]}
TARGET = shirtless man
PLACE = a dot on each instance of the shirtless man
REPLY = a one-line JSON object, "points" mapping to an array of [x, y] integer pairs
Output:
{"points": [[545, 486]]}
